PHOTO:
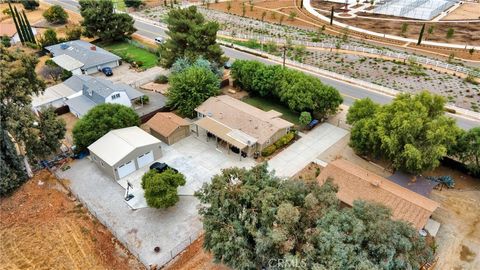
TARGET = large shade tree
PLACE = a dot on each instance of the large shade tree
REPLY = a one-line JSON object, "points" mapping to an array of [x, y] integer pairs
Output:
{"points": [[189, 88], [18, 124], [161, 188], [99, 20], [190, 36], [412, 131], [467, 149], [254, 220], [100, 120]]}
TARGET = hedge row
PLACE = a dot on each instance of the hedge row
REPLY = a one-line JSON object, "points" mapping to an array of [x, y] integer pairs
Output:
{"points": [[300, 92], [284, 140]]}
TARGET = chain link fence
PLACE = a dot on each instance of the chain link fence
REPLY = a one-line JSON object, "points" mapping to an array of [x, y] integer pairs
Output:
{"points": [[345, 46]]}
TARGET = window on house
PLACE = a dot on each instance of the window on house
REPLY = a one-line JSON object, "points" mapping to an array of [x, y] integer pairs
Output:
{"points": [[115, 96]]}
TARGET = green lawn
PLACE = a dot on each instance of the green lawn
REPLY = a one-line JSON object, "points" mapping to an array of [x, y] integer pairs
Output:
{"points": [[267, 104], [127, 50], [119, 4]]}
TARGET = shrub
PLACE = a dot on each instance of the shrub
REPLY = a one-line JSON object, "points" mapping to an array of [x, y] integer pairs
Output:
{"points": [[74, 32], [162, 79], [284, 140], [143, 100], [5, 40], [267, 151], [305, 118], [30, 4], [55, 14], [133, 3]]}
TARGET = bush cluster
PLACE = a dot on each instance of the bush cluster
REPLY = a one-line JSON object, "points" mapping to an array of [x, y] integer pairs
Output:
{"points": [[300, 92], [267, 151], [284, 140]]}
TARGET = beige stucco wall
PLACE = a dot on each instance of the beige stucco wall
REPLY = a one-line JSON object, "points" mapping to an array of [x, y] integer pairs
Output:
{"points": [[111, 170]]}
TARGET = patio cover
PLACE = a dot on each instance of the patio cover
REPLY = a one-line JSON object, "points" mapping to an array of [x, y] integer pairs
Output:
{"points": [[67, 62], [220, 130]]}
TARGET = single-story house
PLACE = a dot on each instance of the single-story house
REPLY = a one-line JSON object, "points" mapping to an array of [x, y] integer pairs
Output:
{"points": [[9, 30], [81, 57], [238, 124], [123, 151], [356, 183], [168, 127], [81, 93]]}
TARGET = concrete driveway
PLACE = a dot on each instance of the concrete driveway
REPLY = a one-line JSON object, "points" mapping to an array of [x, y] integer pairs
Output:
{"points": [[298, 155], [197, 159]]}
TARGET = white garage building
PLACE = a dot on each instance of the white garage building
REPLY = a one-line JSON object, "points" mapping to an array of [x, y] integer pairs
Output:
{"points": [[123, 151]]}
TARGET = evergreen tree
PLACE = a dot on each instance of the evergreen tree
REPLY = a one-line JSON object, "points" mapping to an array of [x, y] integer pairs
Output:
{"points": [[99, 20], [17, 24], [190, 36], [421, 35], [12, 169], [29, 28], [23, 28]]}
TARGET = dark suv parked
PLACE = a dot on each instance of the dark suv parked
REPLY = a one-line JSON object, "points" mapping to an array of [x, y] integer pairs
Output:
{"points": [[161, 167]]}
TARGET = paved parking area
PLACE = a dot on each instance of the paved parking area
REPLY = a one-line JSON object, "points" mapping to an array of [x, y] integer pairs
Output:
{"points": [[197, 159], [140, 230], [298, 155]]}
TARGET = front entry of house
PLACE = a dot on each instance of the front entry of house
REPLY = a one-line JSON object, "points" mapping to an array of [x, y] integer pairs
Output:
{"points": [[144, 159], [126, 169]]}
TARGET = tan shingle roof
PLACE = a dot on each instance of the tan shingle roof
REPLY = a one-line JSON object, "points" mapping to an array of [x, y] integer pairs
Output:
{"points": [[239, 115], [165, 123], [356, 183]]}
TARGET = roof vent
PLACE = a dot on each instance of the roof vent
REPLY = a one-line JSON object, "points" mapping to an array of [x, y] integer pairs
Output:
{"points": [[93, 48], [64, 46]]}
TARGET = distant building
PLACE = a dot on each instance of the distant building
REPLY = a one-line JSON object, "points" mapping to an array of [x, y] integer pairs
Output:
{"points": [[81, 57], [168, 127], [9, 30], [81, 93], [355, 183], [120, 152], [240, 125]]}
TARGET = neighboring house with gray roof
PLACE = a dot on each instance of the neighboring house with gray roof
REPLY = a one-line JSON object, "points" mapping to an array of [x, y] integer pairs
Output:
{"points": [[81, 57], [81, 93], [94, 91]]}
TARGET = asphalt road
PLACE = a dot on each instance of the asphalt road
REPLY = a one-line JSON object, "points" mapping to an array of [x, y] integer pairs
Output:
{"points": [[349, 91]]}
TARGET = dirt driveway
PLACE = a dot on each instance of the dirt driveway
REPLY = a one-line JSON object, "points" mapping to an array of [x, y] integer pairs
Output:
{"points": [[458, 239]]}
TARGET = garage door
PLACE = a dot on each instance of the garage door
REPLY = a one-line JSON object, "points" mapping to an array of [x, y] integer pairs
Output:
{"points": [[144, 159], [126, 169]]}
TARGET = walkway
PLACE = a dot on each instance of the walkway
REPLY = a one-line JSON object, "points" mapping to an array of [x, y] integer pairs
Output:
{"points": [[298, 155]]}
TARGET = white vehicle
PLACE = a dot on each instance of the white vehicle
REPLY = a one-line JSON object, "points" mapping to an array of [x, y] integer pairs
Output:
{"points": [[159, 40]]}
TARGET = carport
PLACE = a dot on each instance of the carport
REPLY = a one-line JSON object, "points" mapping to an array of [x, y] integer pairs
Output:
{"points": [[222, 132]]}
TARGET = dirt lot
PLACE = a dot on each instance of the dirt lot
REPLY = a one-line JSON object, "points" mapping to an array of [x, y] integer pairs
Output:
{"points": [[467, 11], [195, 258], [458, 239], [43, 228]]}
